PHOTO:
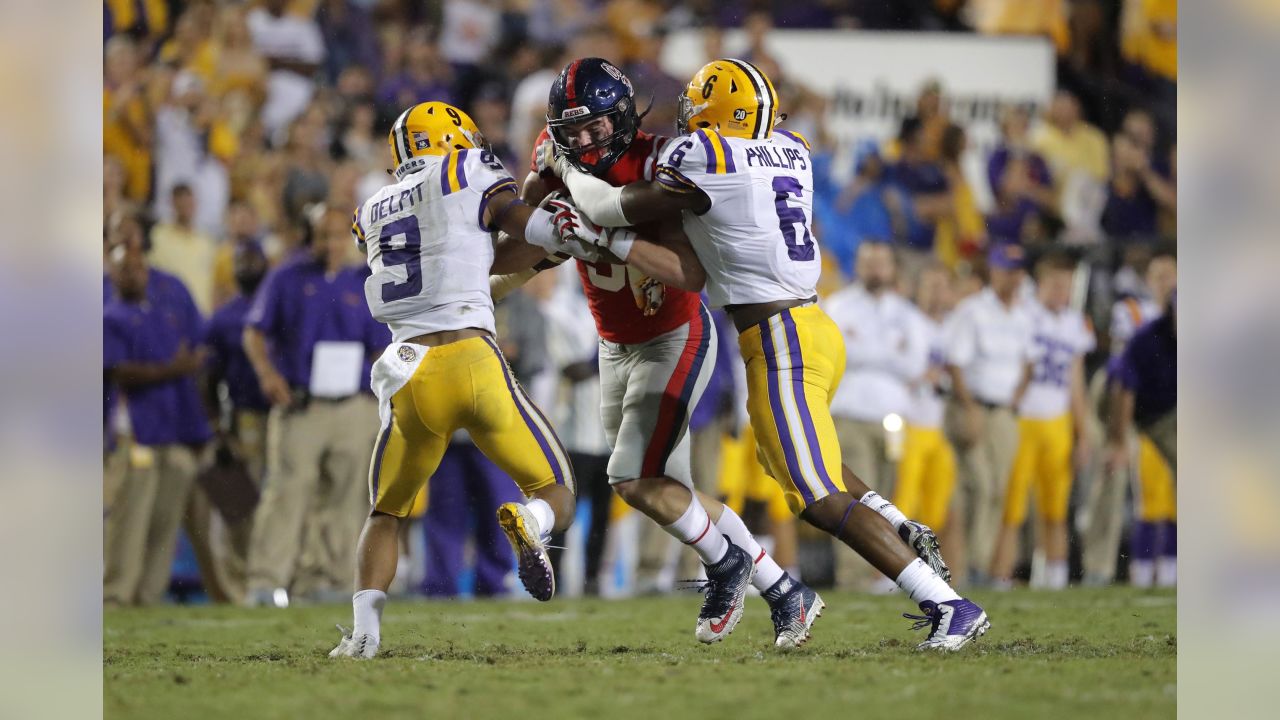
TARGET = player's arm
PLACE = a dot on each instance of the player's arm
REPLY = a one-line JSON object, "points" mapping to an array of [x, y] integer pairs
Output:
{"points": [[131, 374], [273, 384], [669, 259], [1024, 382], [514, 255], [1080, 410], [666, 196]]}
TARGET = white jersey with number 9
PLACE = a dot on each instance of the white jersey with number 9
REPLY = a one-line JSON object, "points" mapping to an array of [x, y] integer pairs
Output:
{"points": [[428, 247], [756, 241]]}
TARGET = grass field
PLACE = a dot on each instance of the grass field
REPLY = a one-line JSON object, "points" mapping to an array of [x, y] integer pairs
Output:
{"points": [[1078, 654]]}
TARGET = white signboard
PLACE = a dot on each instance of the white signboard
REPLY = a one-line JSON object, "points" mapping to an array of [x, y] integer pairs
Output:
{"points": [[871, 79]]}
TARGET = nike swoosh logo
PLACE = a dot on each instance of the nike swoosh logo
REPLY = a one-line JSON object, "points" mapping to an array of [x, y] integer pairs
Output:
{"points": [[802, 613], [716, 627]]}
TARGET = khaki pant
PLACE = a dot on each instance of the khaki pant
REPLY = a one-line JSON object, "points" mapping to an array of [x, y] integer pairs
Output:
{"points": [[984, 469], [250, 438], [315, 496], [145, 510], [1164, 433], [863, 450]]}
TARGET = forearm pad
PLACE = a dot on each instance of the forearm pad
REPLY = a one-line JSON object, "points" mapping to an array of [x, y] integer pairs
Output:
{"points": [[597, 199]]}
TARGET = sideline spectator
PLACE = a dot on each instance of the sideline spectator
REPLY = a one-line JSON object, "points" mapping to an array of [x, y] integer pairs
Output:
{"points": [[243, 422], [311, 340], [989, 352], [151, 353], [178, 247]]}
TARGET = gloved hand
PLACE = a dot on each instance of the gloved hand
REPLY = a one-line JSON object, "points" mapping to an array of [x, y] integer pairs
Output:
{"points": [[571, 224]]}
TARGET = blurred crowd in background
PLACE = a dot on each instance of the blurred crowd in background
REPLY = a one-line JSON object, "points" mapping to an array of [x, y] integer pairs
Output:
{"points": [[239, 136]]}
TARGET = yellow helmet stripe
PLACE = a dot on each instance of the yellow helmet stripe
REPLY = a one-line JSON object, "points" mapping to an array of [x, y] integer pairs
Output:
{"points": [[765, 100]]}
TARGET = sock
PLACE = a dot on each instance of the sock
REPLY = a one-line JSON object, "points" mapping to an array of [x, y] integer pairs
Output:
{"points": [[887, 510], [921, 583], [1056, 574], [695, 529], [1167, 562], [1141, 572], [545, 516], [368, 611], [767, 570]]}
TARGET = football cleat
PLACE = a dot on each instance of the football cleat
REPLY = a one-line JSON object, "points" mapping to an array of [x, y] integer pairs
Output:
{"points": [[952, 624], [794, 607], [726, 588], [362, 647], [533, 563], [926, 546]]}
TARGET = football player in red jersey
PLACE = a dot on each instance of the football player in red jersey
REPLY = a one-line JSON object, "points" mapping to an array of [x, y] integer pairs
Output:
{"points": [[657, 352]]}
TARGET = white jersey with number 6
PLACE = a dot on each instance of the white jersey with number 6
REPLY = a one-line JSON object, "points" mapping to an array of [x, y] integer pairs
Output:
{"points": [[756, 241], [428, 247]]}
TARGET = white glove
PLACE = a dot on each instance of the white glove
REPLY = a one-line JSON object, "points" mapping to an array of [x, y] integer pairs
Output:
{"points": [[572, 225]]}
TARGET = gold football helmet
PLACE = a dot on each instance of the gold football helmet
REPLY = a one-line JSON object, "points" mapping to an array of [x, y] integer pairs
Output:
{"points": [[731, 97], [431, 128]]}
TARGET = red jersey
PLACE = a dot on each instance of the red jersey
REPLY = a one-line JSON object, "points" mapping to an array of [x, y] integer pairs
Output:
{"points": [[617, 294]]}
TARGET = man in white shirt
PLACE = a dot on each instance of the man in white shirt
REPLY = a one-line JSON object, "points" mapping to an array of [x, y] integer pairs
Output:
{"points": [[1051, 425], [886, 351], [989, 351], [294, 49]]}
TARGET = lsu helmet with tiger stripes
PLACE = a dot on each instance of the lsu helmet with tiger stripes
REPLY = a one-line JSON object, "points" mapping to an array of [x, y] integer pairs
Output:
{"points": [[731, 97], [430, 128]]}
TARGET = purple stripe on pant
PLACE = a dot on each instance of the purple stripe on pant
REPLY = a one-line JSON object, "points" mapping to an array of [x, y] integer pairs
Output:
{"points": [[774, 377], [377, 463], [528, 421], [797, 385]]}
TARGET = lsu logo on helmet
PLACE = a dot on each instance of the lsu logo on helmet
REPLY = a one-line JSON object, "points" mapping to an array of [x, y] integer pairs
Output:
{"points": [[430, 128], [732, 97]]}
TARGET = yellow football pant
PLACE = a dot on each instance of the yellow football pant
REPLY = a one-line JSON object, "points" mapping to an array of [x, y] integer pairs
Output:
{"points": [[926, 476], [1043, 461], [463, 385], [1157, 497], [794, 363]]}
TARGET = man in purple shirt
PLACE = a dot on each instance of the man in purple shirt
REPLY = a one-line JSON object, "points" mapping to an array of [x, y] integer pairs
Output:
{"points": [[1147, 392], [150, 339], [244, 419], [311, 340]]}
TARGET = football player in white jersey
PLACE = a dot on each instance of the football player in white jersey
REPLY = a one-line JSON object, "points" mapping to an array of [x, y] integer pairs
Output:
{"points": [[429, 245], [1051, 424], [744, 194]]}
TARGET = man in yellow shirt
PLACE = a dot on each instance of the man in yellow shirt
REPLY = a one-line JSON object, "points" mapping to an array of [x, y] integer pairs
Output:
{"points": [[178, 247]]}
